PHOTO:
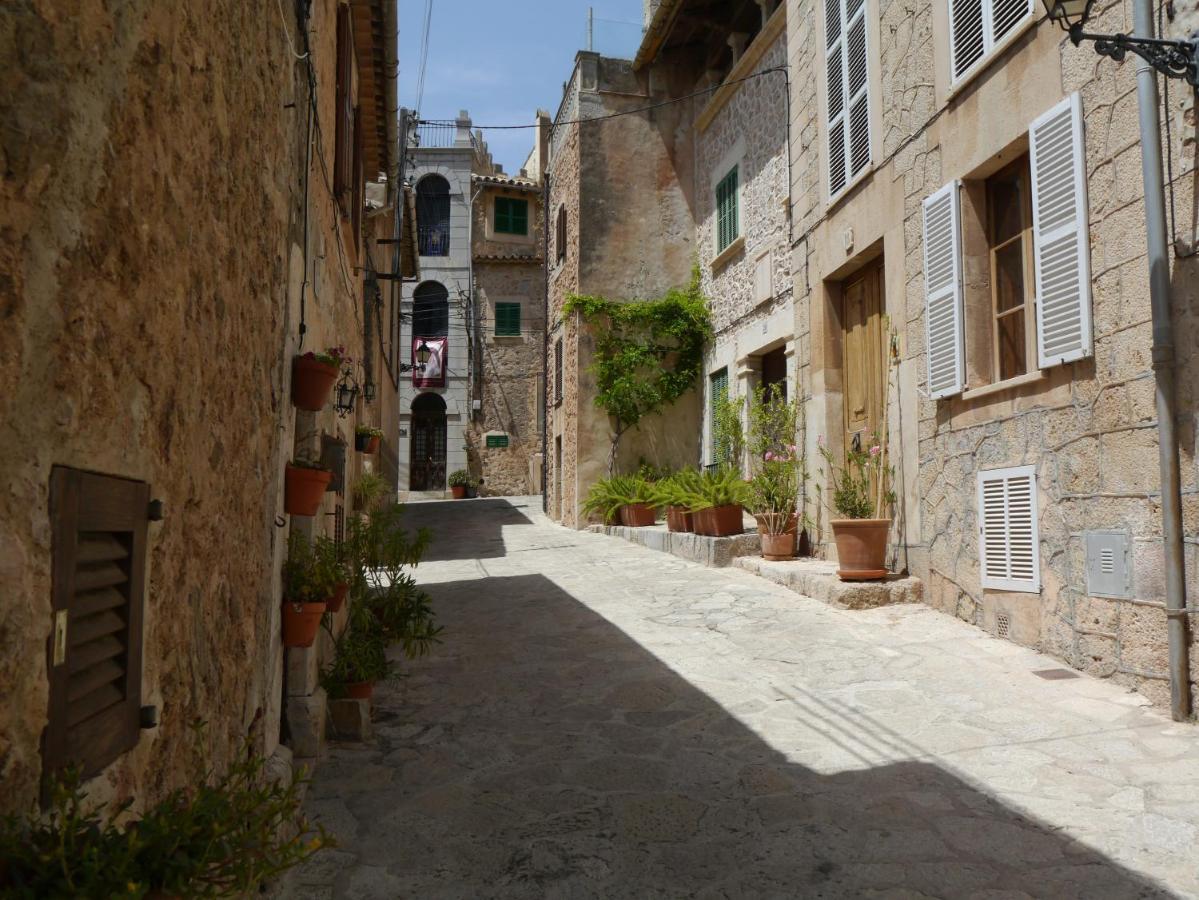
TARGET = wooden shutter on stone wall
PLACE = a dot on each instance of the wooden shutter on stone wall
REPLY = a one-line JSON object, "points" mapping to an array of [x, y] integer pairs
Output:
{"points": [[358, 189], [560, 234], [343, 158], [944, 313], [847, 101], [1008, 539], [976, 26], [98, 593], [1061, 243]]}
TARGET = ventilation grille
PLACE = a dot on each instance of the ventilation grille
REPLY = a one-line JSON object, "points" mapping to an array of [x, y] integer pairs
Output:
{"points": [[1003, 625], [98, 636]]}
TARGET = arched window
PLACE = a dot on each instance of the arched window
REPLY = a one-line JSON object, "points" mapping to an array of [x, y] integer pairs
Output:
{"points": [[560, 234], [430, 310], [433, 216]]}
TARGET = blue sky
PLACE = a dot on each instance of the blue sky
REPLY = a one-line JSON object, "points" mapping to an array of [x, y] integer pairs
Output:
{"points": [[501, 61]]}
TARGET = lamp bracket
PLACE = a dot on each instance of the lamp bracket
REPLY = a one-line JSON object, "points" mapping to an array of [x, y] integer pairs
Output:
{"points": [[1174, 59]]}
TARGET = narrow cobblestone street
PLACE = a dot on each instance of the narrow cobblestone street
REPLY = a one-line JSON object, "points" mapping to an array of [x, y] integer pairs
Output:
{"points": [[605, 721]]}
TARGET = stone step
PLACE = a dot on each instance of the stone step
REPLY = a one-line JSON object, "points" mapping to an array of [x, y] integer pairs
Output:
{"points": [[818, 579], [717, 552]]}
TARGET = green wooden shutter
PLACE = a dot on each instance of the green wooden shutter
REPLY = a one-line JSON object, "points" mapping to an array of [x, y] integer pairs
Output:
{"points": [[520, 216], [507, 319], [511, 216], [718, 390], [728, 224]]}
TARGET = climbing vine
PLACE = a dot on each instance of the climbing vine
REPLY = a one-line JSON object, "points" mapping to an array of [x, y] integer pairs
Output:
{"points": [[648, 353]]}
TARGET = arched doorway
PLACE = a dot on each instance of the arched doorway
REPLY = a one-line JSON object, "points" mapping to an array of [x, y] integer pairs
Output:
{"points": [[427, 462]]}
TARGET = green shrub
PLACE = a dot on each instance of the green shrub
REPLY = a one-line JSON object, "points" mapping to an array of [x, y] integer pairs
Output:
{"points": [[720, 487], [460, 478], [608, 495], [312, 570], [359, 654], [676, 489]]}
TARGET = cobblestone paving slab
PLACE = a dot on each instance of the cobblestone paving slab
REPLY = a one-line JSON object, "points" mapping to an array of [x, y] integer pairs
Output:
{"points": [[606, 721]]}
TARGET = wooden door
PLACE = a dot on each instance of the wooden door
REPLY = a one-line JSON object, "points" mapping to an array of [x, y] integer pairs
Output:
{"points": [[863, 343]]}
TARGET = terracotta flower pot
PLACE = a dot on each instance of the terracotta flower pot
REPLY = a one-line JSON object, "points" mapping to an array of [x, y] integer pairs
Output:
{"points": [[458, 491], [679, 519], [339, 597], [778, 546], [719, 521], [301, 622], [637, 515], [311, 382], [373, 445], [861, 548], [303, 490], [360, 690]]}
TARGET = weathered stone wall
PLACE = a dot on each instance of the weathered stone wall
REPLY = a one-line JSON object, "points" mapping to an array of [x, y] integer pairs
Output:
{"points": [[1088, 427], [151, 260]]}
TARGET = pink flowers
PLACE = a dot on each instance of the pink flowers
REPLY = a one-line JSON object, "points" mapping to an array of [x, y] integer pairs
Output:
{"points": [[876, 450], [770, 457]]}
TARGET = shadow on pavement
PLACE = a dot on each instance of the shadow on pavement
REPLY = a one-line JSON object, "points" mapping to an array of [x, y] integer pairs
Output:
{"points": [[465, 529], [540, 751]]}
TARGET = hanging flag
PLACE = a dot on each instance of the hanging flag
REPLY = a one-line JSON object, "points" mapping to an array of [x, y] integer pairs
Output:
{"points": [[433, 374]]}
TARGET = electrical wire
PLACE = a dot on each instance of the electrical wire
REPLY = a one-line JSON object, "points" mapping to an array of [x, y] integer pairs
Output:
{"points": [[283, 20], [424, 53]]}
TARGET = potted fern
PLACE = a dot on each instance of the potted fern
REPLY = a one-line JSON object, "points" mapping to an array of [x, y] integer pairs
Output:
{"points": [[622, 500], [717, 503], [367, 438], [313, 375], [672, 494], [860, 494]]}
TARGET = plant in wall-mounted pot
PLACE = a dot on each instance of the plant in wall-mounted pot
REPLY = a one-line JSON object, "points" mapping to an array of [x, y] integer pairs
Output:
{"points": [[359, 662], [313, 375], [367, 438], [460, 480], [860, 493], [309, 580], [335, 559], [304, 487]]}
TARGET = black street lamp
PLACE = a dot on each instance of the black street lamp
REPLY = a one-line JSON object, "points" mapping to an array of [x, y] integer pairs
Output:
{"points": [[422, 355], [1176, 59]]}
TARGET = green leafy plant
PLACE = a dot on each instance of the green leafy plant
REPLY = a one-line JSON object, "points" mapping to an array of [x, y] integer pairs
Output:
{"points": [[359, 654], [460, 478], [719, 487], [648, 353], [369, 489], [311, 571], [676, 489], [858, 487], [221, 837], [774, 492], [368, 431], [608, 495], [773, 425], [777, 461], [728, 431]]}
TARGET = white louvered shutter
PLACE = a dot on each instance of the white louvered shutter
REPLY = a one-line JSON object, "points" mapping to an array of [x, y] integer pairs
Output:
{"points": [[1008, 540], [943, 312], [976, 26], [1061, 244], [848, 92]]}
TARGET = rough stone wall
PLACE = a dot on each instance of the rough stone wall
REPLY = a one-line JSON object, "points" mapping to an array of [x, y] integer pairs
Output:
{"points": [[1088, 427], [151, 262]]}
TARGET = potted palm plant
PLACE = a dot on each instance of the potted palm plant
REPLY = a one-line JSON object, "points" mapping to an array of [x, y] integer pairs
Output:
{"points": [[367, 438], [308, 582], [459, 482], [313, 375], [717, 503], [672, 495], [860, 494], [622, 499], [304, 486]]}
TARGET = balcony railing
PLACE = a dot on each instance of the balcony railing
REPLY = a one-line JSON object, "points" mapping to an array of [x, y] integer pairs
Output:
{"points": [[433, 240]]}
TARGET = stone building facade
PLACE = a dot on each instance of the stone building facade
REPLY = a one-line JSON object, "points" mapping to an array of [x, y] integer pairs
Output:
{"points": [[156, 289], [986, 187], [504, 440]]}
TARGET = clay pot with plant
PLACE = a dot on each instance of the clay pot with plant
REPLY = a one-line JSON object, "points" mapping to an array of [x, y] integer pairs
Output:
{"points": [[359, 662], [304, 486], [335, 559], [718, 502], [776, 488], [367, 438], [459, 480], [622, 500], [309, 580], [313, 375], [672, 494]]}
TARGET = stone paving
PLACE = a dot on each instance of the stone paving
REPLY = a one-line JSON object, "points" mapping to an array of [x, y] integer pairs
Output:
{"points": [[607, 721]]}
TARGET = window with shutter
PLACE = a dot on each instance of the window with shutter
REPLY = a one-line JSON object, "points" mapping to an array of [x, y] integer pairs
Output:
{"points": [[718, 390], [977, 27], [507, 320], [343, 151], [728, 217], [943, 293], [558, 364], [95, 650], [1008, 542], [511, 216], [1061, 246], [847, 101], [560, 234]]}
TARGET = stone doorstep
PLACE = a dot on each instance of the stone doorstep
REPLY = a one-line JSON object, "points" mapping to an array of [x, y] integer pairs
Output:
{"points": [[716, 552], [817, 578]]}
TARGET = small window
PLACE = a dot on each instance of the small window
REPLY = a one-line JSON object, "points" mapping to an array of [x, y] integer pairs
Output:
{"points": [[507, 320], [977, 26], [1008, 539], [497, 441], [728, 221], [560, 234], [558, 371], [98, 536], [1009, 242], [433, 216], [511, 216]]}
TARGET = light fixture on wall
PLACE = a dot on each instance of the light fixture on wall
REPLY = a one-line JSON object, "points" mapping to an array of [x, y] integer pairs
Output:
{"points": [[368, 392], [347, 394], [1176, 59], [421, 354]]}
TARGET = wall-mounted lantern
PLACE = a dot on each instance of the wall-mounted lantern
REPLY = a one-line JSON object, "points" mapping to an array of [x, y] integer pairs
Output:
{"points": [[1177, 59]]}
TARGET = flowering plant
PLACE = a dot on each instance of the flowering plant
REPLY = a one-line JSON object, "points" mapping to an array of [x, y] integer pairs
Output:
{"points": [[861, 486], [368, 431], [331, 356], [774, 491]]}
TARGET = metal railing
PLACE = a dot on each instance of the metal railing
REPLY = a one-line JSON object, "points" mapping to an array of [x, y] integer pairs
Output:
{"points": [[433, 240]]}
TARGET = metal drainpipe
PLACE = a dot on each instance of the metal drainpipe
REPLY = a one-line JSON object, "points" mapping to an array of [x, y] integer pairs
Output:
{"points": [[1163, 369]]}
